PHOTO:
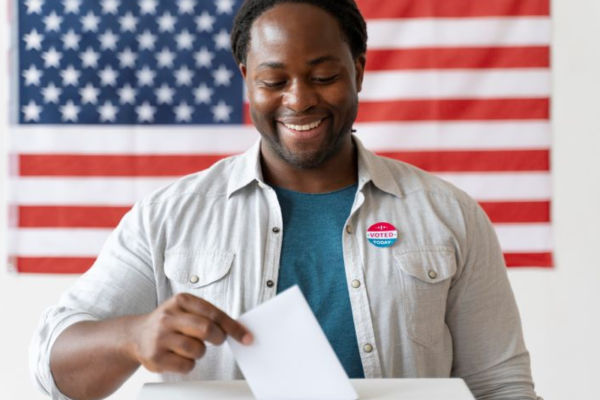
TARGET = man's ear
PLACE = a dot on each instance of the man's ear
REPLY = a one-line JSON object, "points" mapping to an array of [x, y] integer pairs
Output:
{"points": [[243, 70], [359, 66]]}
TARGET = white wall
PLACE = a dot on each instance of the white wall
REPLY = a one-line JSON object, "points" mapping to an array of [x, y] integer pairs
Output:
{"points": [[560, 308]]}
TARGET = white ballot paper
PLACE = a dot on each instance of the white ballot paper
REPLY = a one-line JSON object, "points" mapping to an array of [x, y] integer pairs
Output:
{"points": [[290, 358]]}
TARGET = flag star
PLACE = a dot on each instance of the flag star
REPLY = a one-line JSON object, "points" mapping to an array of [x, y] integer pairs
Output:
{"points": [[222, 76], [70, 76], [145, 112], [108, 40], [205, 22], [166, 22], [34, 6], [221, 112], [108, 112], [32, 76], [31, 111], [148, 6], [90, 22], [224, 6], [127, 58], [184, 76], [110, 6], [70, 111], [89, 58], [146, 40], [127, 94], [89, 94], [222, 40], [146, 76], [183, 112], [164, 94], [203, 94], [33, 40], [128, 22], [185, 40], [165, 58], [203, 58], [72, 6], [108, 76], [186, 6], [51, 93], [53, 22], [71, 40], [51, 58]]}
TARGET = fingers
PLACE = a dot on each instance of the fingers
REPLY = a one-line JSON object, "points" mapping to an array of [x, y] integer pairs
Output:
{"points": [[171, 362], [201, 328], [185, 346]]}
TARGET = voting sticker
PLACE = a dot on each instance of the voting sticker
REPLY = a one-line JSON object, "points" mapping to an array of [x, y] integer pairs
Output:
{"points": [[382, 234]]}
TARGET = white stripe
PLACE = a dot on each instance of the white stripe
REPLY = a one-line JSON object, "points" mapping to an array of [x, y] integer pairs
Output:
{"points": [[444, 84], [29, 139], [458, 32], [525, 238]]}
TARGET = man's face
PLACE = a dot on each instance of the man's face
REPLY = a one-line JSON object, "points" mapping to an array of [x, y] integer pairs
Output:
{"points": [[303, 84]]}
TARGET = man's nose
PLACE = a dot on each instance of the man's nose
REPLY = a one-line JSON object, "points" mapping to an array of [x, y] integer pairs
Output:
{"points": [[300, 96]]}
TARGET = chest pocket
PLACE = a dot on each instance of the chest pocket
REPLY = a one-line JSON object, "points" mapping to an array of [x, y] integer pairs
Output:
{"points": [[205, 275], [425, 274]]}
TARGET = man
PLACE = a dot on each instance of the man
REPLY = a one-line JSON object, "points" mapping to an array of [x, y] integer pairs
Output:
{"points": [[424, 295]]}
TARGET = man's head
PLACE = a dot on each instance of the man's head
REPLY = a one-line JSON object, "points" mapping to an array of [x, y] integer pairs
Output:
{"points": [[303, 63]]}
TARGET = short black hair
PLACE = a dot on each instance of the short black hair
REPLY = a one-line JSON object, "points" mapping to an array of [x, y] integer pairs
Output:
{"points": [[351, 21]]}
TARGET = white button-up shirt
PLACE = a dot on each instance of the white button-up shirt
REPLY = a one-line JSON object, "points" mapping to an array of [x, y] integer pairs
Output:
{"points": [[437, 303]]}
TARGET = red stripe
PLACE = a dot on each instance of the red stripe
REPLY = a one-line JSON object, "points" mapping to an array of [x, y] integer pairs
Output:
{"points": [[459, 58], [518, 211], [53, 265], [515, 260], [375, 9], [70, 216]]}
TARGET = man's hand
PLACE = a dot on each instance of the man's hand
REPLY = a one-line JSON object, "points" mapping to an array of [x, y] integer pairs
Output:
{"points": [[174, 336]]}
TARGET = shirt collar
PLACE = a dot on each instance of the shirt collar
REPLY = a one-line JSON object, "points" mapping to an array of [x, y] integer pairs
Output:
{"points": [[246, 170]]}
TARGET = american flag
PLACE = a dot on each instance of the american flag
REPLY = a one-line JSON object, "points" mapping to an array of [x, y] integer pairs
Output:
{"points": [[115, 98]]}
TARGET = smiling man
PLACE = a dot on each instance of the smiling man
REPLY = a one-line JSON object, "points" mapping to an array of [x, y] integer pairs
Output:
{"points": [[403, 271]]}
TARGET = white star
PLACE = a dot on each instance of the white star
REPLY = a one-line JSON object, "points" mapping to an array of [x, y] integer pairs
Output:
{"points": [[53, 22], [222, 76], [90, 22], [222, 40], [145, 76], [108, 76], [185, 40], [89, 94], [33, 40], [127, 58], [184, 76], [32, 76], [165, 58], [69, 111], [108, 40], [146, 40], [183, 112], [203, 58], [34, 6], [205, 22], [164, 94], [224, 6], [186, 6], [89, 58], [148, 6], [166, 22], [127, 94], [51, 93], [128, 22], [110, 6], [108, 112], [72, 6], [31, 111], [145, 112], [71, 40], [70, 76], [203, 94], [51, 58], [221, 112]]}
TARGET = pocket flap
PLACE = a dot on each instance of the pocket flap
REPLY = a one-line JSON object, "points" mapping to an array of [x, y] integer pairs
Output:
{"points": [[197, 269], [428, 264]]}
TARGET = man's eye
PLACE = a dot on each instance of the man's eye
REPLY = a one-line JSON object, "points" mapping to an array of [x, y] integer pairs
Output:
{"points": [[273, 84], [328, 79]]}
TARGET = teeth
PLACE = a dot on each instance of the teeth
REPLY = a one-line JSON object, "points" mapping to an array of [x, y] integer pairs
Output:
{"points": [[308, 127]]}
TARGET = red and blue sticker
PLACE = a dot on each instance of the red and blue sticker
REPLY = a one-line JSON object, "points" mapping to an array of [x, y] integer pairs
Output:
{"points": [[382, 234]]}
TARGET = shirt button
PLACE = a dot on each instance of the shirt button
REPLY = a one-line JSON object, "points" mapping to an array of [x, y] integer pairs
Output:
{"points": [[276, 230], [194, 279], [432, 274], [367, 348], [355, 284], [349, 229], [270, 283]]}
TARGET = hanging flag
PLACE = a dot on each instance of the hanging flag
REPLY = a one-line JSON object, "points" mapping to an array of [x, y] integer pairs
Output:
{"points": [[116, 98]]}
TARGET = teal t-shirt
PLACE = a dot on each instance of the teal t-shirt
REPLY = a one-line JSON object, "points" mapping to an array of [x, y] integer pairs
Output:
{"points": [[312, 258]]}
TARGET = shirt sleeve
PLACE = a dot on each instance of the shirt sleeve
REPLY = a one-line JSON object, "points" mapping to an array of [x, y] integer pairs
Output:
{"points": [[482, 314], [121, 282]]}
